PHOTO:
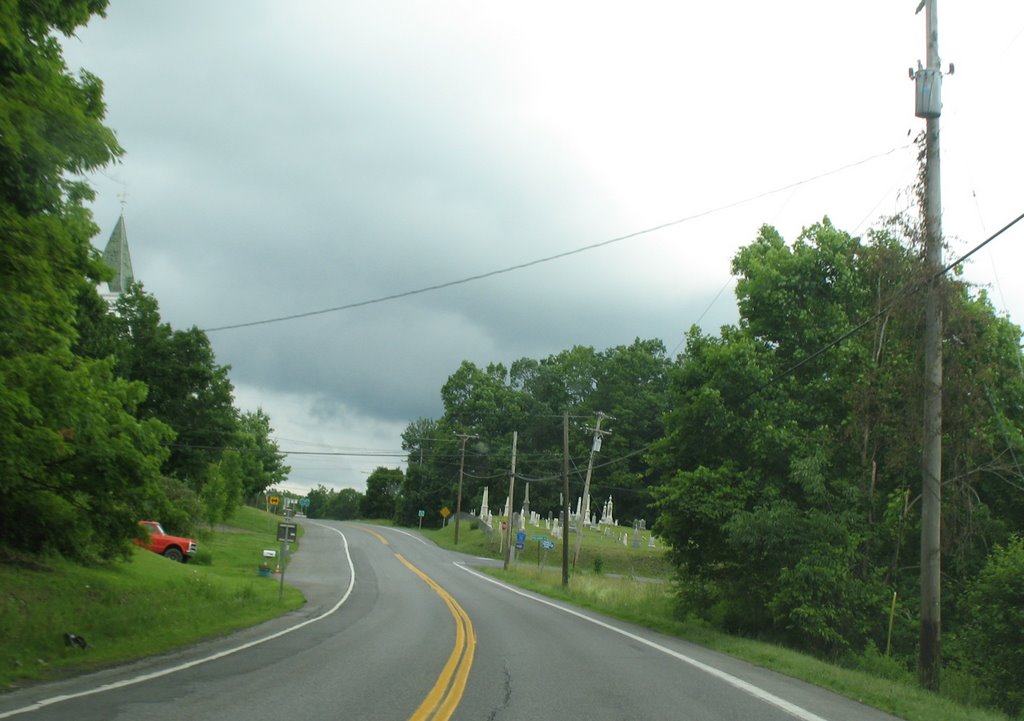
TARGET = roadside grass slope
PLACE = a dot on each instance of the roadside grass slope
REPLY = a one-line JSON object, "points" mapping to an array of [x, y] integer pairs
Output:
{"points": [[145, 606]]}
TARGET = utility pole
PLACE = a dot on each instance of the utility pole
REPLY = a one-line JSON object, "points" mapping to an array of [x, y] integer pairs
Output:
{"points": [[458, 499], [511, 491], [928, 105], [565, 500], [585, 508]]}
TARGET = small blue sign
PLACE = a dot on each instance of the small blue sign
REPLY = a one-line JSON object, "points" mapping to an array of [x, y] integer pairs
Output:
{"points": [[548, 545], [520, 540]]}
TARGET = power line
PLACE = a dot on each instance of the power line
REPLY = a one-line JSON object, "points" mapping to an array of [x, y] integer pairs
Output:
{"points": [[910, 290], [906, 292], [559, 256]]}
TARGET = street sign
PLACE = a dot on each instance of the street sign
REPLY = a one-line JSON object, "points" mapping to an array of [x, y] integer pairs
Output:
{"points": [[304, 502], [286, 532], [445, 512], [520, 540], [548, 545], [421, 514], [273, 500]]}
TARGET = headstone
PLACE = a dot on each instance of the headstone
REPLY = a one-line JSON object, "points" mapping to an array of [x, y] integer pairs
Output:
{"points": [[485, 511]]}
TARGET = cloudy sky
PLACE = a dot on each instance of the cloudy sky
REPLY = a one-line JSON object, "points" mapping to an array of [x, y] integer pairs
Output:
{"points": [[288, 158]]}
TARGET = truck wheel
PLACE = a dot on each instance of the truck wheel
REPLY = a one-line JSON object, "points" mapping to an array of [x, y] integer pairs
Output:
{"points": [[174, 553]]}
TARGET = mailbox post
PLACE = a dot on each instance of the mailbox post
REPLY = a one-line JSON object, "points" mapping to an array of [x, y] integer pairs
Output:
{"points": [[286, 534]]}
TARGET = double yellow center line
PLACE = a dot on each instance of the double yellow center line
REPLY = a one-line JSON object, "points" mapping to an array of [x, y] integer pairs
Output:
{"points": [[442, 700], [444, 697]]}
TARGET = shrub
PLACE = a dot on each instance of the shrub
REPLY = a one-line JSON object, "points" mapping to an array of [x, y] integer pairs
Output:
{"points": [[993, 638]]}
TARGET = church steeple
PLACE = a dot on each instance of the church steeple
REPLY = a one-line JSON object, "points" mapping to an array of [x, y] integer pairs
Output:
{"points": [[117, 257]]}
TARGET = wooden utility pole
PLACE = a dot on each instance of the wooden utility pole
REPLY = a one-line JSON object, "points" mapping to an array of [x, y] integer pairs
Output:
{"points": [[585, 507], [458, 500], [565, 499], [928, 105], [511, 492]]}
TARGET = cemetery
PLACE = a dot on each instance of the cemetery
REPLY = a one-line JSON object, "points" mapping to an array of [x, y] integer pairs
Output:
{"points": [[608, 545]]}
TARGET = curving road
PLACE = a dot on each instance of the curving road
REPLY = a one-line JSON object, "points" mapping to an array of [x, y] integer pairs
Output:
{"points": [[396, 628]]}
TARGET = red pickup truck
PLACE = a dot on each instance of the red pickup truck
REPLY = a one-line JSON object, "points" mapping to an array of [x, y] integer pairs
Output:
{"points": [[175, 548]]}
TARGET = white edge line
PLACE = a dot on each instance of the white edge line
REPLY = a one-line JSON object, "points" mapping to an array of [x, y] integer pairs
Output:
{"points": [[406, 533], [181, 667], [756, 691]]}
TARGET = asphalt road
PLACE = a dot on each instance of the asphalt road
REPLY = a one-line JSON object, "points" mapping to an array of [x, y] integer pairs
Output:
{"points": [[396, 628]]}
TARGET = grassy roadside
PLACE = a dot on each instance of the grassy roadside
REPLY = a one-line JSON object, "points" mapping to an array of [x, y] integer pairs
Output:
{"points": [[622, 591], [604, 552], [128, 610]]}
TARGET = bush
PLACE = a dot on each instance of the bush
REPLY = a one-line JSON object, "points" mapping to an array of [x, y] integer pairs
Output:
{"points": [[993, 638], [872, 661]]}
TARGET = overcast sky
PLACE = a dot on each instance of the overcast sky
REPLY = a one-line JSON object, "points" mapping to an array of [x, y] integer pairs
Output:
{"points": [[284, 158]]}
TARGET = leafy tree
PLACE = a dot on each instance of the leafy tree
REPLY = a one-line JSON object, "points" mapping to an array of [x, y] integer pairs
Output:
{"points": [[345, 504], [422, 491], [382, 487], [188, 390], [632, 383], [788, 463], [993, 637], [319, 502], [222, 491], [530, 398], [75, 465], [261, 464], [340, 505]]}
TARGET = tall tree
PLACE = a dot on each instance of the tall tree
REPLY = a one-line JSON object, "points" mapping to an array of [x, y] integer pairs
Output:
{"points": [[188, 390], [261, 463], [75, 464], [788, 463], [382, 487]]}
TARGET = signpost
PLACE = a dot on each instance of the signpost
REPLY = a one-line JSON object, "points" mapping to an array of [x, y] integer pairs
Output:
{"points": [[421, 514], [545, 542], [286, 533], [445, 512]]}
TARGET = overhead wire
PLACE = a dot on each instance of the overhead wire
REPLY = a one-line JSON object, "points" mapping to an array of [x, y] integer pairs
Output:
{"points": [[906, 292], [558, 256], [899, 296]]}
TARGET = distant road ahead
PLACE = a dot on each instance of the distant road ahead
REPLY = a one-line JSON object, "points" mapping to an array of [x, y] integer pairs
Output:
{"points": [[396, 628]]}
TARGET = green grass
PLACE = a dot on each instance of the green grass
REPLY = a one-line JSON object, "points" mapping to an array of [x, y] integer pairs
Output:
{"points": [[624, 592], [127, 610], [606, 551]]}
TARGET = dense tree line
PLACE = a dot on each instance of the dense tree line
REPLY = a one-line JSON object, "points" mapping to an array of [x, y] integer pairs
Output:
{"points": [[530, 397], [105, 418], [780, 458], [790, 468]]}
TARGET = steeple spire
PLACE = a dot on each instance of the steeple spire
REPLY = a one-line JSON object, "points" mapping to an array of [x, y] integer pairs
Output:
{"points": [[117, 257]]}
